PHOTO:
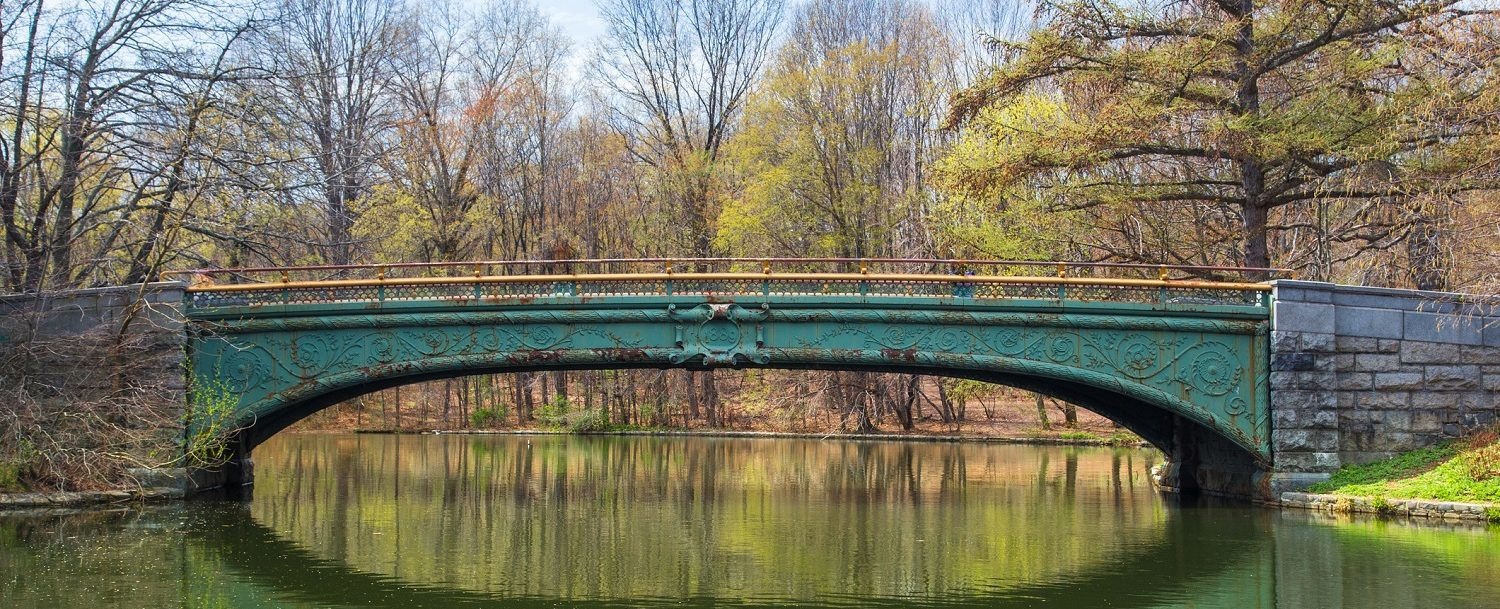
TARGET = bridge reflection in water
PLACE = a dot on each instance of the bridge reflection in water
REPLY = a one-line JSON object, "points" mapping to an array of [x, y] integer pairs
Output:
{"points": [[484, 521]]}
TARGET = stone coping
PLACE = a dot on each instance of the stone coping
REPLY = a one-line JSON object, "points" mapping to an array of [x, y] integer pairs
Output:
{"points": [[155, 286], [1414, 508], [1370, 290], [28, 501]]}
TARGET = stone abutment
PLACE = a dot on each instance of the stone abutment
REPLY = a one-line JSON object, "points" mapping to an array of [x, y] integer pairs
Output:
{"points": [[1360, 374]]}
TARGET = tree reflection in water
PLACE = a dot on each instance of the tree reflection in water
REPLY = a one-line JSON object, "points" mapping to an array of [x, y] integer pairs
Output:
{"points": [[405, 521]]}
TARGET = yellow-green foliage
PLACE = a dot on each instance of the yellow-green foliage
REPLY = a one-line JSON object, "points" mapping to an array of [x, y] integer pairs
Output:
{"points": [[209, 421], [1119, 110], [821, 164]]}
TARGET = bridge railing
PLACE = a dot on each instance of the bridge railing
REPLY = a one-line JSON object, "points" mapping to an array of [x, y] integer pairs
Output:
{"points": [[1185, 286]]}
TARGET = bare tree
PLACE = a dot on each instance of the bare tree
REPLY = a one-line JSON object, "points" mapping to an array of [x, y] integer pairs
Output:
{"points": [[333, 61], [94, 97], [682, 70]]}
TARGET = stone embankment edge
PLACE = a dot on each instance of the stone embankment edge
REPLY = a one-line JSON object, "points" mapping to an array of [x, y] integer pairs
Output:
{"points": [[78, 499], [1411, 508]]}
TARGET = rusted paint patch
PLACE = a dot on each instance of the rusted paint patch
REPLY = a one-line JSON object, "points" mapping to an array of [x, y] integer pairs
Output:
{"points": [[908, 354], [622, 354], [534, 356]]}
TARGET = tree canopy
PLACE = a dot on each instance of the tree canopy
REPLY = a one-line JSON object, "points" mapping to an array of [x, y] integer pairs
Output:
{"points": [[1238, 125]]}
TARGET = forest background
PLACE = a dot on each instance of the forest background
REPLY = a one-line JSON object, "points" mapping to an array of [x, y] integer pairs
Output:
{"points": [[1352, 141]]}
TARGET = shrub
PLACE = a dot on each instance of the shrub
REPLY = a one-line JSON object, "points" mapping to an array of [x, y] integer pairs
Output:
{"points": [[10, 476], [210, 414], [554, 412], [1079, 435], [78, 410], [1482, 463], [586, 421], [1480, 457], [487, 417]]}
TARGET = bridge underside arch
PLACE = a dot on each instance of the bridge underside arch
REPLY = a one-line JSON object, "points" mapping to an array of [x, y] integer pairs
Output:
{"points": [[1187, 385]]}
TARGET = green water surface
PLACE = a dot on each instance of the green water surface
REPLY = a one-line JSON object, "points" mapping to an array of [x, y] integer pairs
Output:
{"points": [[340, 520]]}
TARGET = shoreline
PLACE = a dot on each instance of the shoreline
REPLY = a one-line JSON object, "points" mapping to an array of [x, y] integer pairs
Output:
{"points": [[872, 437], [1428, 510], [20, 503]]}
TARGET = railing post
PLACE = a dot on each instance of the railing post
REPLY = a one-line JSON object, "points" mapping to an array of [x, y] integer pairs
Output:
{"points": [[1062, 273], [864, 284], [765, 284], [286, 295], [1161, 292], [477, 288], [670, 287], [380, 289]]}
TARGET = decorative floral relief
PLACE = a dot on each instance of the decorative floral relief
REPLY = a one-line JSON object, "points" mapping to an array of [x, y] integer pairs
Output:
{"points": [[540, 337], [381, 348]]}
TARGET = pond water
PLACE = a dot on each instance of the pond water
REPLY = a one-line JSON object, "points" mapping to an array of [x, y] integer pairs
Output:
{"points": [[342, 520]]}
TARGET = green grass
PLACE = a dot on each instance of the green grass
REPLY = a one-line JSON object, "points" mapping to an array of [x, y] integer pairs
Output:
{"points": [[1454, 471]]}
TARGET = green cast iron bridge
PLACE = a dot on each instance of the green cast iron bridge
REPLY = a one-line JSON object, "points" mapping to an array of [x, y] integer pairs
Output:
{"points": [[1180, 360]]}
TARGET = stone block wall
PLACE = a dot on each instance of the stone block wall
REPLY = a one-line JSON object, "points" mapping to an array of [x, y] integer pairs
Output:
{"points": [[1360, 374], [64, 350], [153, 311]]}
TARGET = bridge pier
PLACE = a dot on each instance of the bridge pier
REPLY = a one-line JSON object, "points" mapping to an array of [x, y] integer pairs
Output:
{"points": [[1201, 463]]}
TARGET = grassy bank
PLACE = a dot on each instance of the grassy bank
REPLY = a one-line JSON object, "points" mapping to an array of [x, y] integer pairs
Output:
{"points": [[1464, 471]]}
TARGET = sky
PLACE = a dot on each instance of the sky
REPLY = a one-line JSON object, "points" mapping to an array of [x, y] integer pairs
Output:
{"points": [[579, 20]]}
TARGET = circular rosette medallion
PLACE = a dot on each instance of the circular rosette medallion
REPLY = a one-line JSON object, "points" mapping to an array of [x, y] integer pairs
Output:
{"points": [[1006, 340], [434, 342], [244, 369], [1213, 370], [381, 349], [949, 340], [1062, 348], [310, 355], [1138, 356], [541, 337], [895, 337]]}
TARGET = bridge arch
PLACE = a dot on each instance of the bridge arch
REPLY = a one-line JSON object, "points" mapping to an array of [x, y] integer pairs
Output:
{"points": [[1190, 379], [1150, 413]]}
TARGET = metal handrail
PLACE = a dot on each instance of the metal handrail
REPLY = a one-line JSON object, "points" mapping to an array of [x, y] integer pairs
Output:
{"points": [[482, 268], [808, 277]]}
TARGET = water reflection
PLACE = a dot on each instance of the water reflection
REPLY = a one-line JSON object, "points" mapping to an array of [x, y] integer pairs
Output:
{"points": [[381, 521]]}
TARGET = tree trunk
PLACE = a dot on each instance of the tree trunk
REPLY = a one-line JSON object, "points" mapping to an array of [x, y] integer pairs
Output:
{"points": [[692, 396], [1041, 412], [711, 399], [560, 384]]}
